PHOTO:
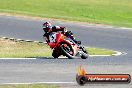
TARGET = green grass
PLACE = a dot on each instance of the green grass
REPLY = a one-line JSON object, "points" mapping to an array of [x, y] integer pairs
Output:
{"points": [[14, 49], [29, 86], [112, 12], [98, 51], [23, 49]]}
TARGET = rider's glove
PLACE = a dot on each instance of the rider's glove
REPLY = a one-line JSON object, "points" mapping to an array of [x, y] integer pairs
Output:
{"points": [[64, 30], [68, 33]]}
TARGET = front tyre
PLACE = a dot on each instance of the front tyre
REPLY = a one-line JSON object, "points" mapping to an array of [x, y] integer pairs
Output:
{"points": [[66, 50], [84, 55]]}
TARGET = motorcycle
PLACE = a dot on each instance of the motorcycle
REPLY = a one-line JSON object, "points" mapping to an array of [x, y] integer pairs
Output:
{"points": [[65, 46]]}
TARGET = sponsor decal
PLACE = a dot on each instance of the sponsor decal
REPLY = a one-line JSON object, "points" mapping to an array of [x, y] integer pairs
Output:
{"points": [[82, 77]]}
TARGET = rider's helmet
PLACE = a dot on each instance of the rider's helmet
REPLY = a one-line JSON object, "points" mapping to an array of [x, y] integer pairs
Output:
{"points": [[47, 27]]}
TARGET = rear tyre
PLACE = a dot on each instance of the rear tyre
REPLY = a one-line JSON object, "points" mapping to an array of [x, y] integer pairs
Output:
{"points": [[55, 54]]}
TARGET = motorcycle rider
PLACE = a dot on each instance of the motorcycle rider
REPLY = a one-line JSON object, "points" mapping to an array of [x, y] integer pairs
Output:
{"points": [[48, 28]]}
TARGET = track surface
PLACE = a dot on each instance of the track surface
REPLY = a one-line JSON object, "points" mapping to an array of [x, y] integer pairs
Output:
{"points": [[64, 70]]}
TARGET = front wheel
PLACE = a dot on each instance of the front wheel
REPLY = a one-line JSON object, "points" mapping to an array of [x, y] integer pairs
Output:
{"points": [[84, 55], [66, 50]]}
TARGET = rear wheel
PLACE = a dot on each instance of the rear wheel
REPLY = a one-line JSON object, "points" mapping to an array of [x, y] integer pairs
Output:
{"points": [[55, 54]]}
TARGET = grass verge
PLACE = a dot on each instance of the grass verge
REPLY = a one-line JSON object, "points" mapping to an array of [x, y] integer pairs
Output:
{"points": [[113, 12], [14, 49], [29, 86]]}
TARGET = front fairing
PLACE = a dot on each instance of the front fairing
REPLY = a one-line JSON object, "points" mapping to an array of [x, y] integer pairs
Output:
{"points": [[75, 47], [57, 38], [54, 39]]}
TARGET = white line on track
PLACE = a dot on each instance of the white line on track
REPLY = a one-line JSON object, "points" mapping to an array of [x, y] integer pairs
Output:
{"points": [[18, 58], [117, 54], [99, 55], [39, 83]]}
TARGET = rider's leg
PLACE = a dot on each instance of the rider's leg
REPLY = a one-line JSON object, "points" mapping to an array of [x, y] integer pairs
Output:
{"points": [[70, 34], [74, 39]]}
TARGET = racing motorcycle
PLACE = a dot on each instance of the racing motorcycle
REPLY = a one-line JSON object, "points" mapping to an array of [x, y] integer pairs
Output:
{"points": [[65, 46]]}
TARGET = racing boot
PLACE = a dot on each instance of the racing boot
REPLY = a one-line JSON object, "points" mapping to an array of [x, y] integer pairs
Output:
{"points": [[74, 39], [83, 49], [70, 34]]}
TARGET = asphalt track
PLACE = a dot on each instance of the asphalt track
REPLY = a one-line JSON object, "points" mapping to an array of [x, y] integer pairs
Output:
{"points": [[64, 70]]}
